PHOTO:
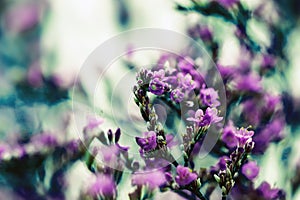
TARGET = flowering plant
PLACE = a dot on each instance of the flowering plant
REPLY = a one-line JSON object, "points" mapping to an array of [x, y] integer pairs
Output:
{"points": [[199, 137]]}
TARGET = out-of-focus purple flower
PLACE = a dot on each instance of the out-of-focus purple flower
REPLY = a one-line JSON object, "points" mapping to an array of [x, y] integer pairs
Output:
{"points": [[103, 185], [186, 64], [22, 17], [184, 175], [271, 101], [44, 139], [271, 132], [203, 32], [227, 3], [149, 142], [268, 61], [209, 97], [228, 135], [108, 153], [170, 140], [152, 179], [93, 122], [160, 74], [34, 76], [244, 135], [267, 192], [227, 72], [157, 86], [186, 82], [249, 83], [177, 95], [250, 170]]}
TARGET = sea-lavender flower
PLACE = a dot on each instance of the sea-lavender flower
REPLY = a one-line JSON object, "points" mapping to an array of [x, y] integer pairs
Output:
{"points": [[228, 135], [184, 175], [157, 86], [250, 170], [249, 83], [202, 120], [103, 185], [149, 142], [267, 192], [227, 3], [244, 135], [152, 179], [198, 116], [93, 122], [209, 97], [177, 96], [186, 82]]}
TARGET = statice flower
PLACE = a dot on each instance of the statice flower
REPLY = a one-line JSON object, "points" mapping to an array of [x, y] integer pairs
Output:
{"points": [[267, 192], [228, 135], [104, 185], [152, 179], [148, 143], [93, 123], [177, 96], [205, 120], [209, 97], [250, 170], [244, 136], [228, 3], [157, 86], [184, 175]]}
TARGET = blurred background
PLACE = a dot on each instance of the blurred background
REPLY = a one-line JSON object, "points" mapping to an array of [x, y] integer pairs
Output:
{"points": [[43, 45]]}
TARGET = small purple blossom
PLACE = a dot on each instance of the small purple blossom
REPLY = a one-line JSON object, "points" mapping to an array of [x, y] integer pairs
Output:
{"points": [[244, 135], [267, 192], [210, 117], [198, 116], [227, 3], [152, 179], [228, 136], [186, 82], [157, 86], [177, 95], [209, 97], [184, 175], [93, 122], [250, 170], [149, 142], [249, 83], [103, 185]]}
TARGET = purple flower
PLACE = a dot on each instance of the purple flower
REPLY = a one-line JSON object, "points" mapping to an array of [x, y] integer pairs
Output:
{"points": [[186, 82], [177, 95], [149, 142], [44, 139], [93, 122], [103, 185], [160, 74], [152, 179], [268, 61], [221, 165], [227, 3], [157, 86], [250, 170], [209, 97], [186, 64], [198, 116], [184, 175], [203, 32], [244, 135], [249, 83], [265, 190], [210, 117], [228, 135]]}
